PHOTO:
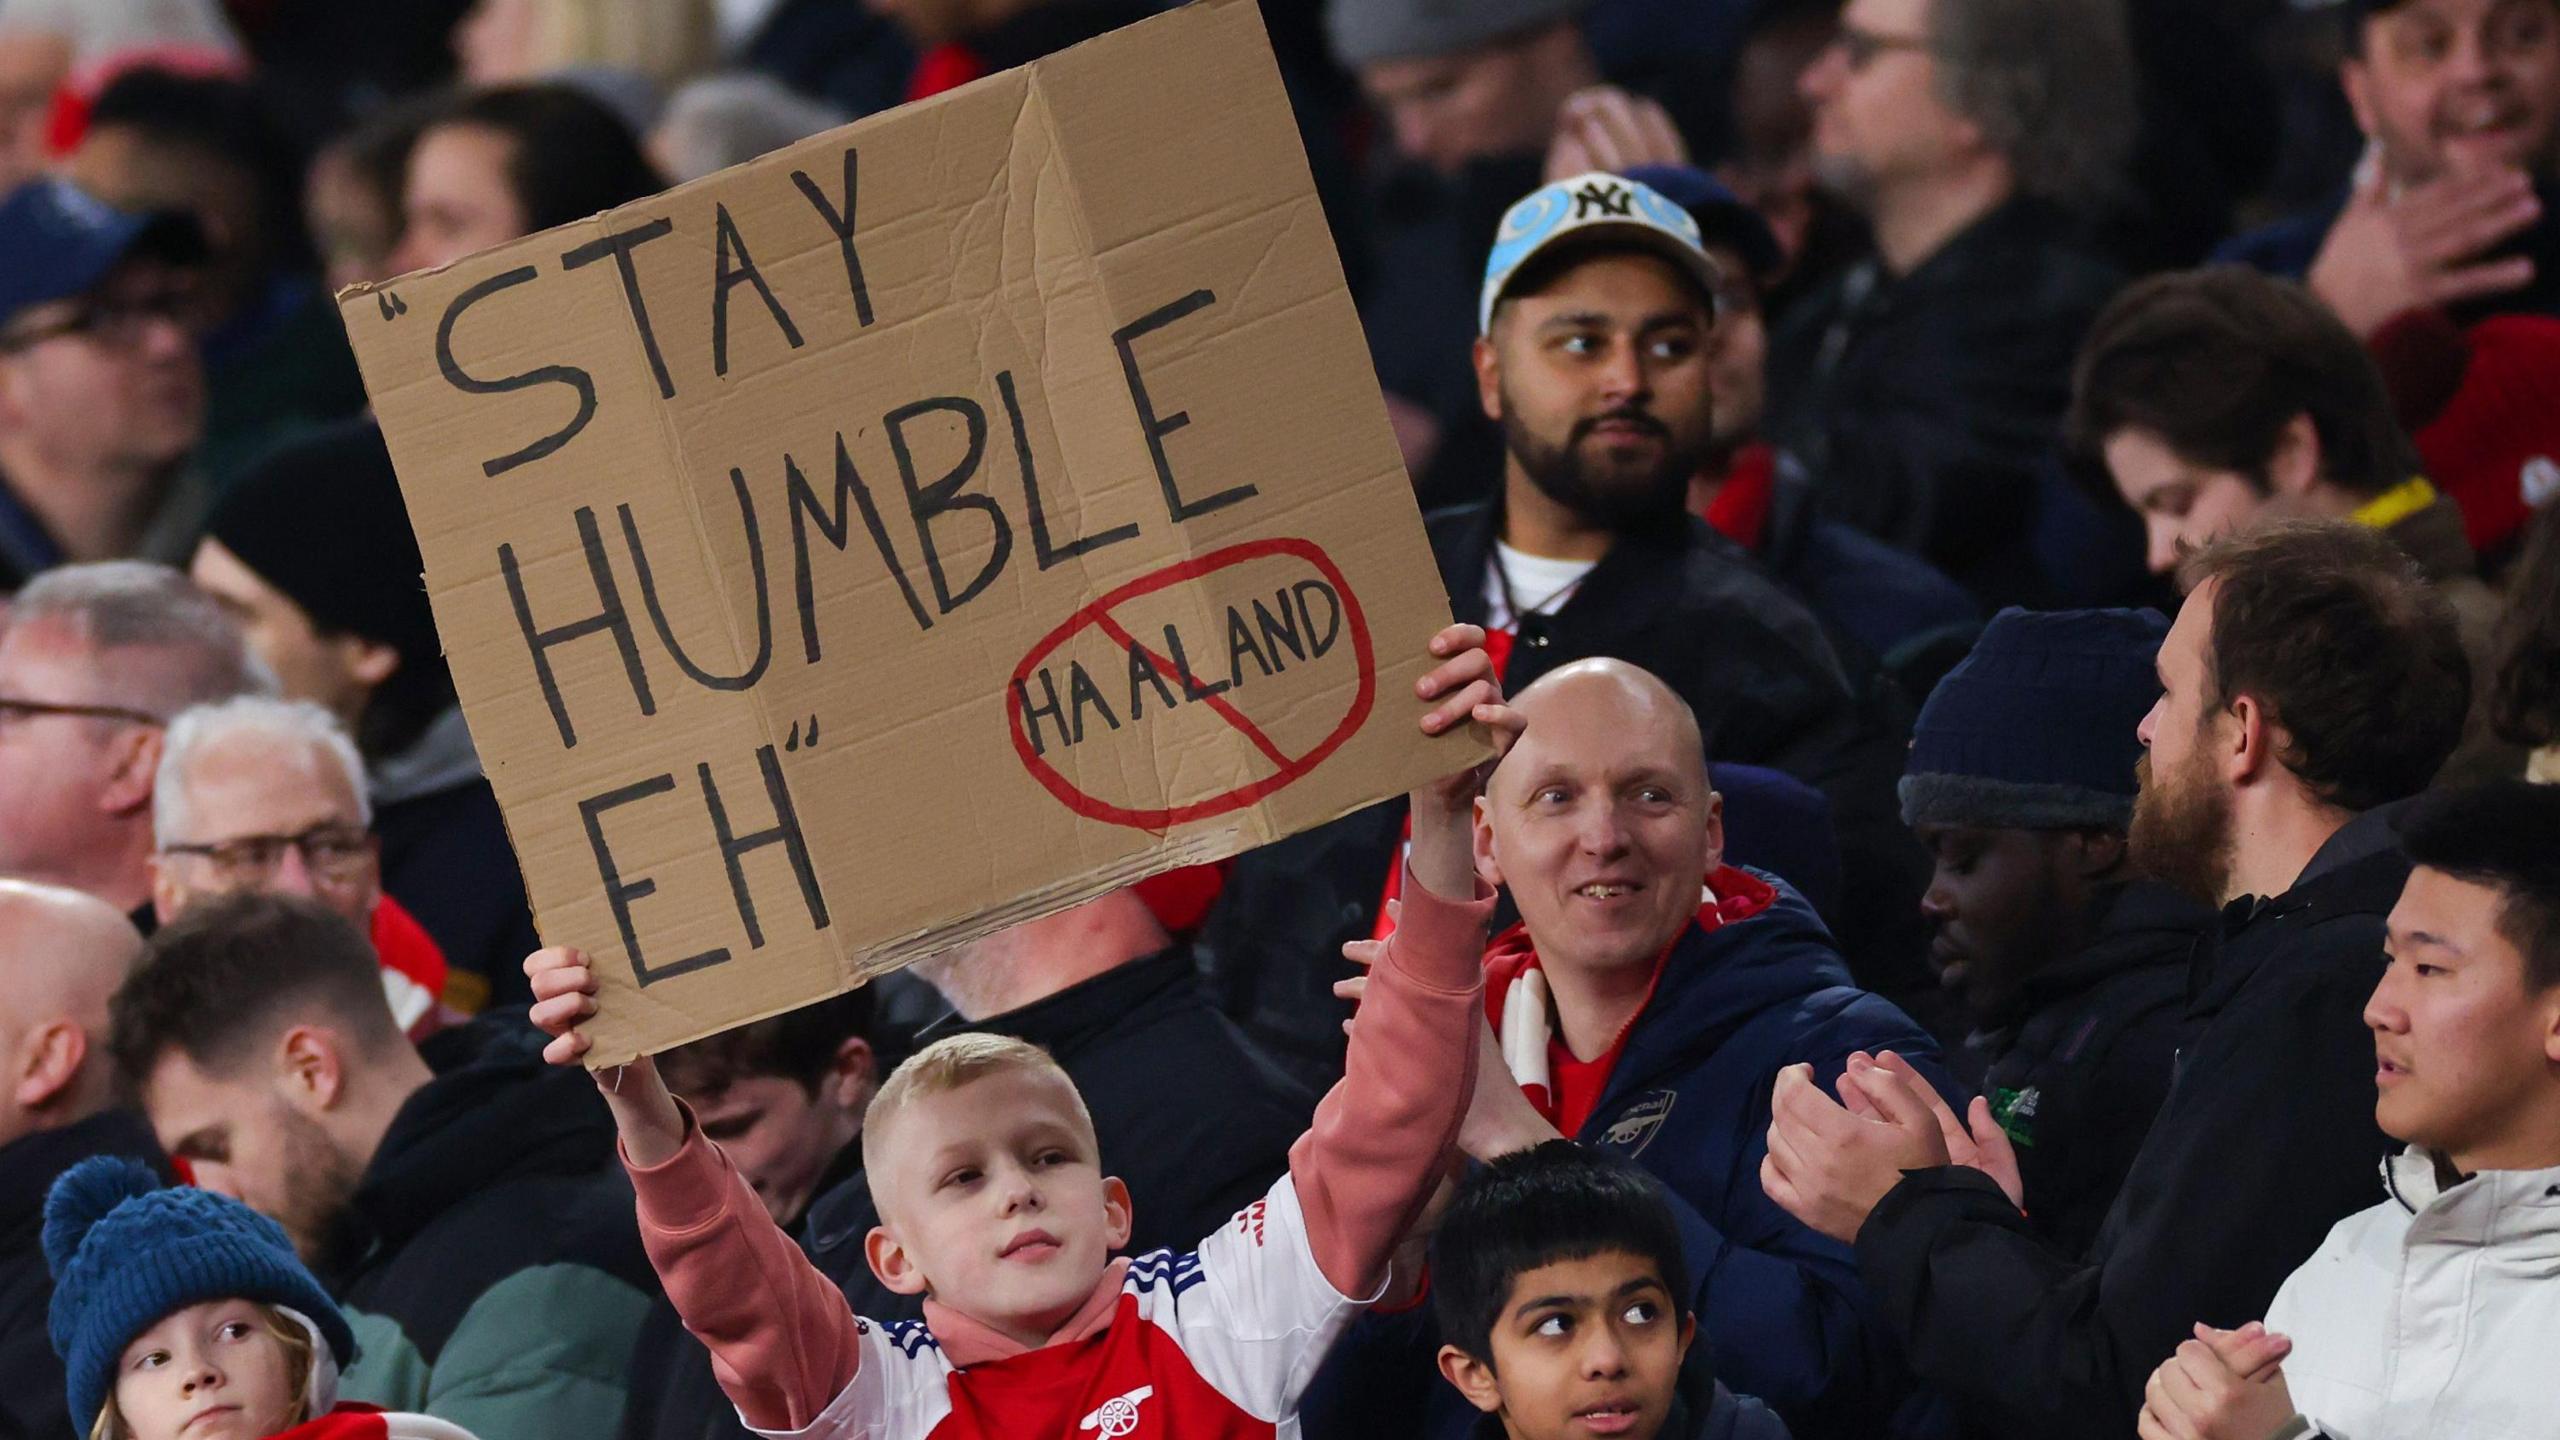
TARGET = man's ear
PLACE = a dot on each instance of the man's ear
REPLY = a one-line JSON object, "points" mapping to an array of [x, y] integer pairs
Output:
{"points": [[131, 773], [311, 1067], [47, 1063], [1473, 1377], [1488, 365], [852, 1075], [2355, 78], [168, 897], [1119, 1216], [1688, 1331], [367, 662], [2248, 737], [2297, 466], [1487, 868], [2094, 854], [2550, 1002], [891, 1263], [1715, 830]]}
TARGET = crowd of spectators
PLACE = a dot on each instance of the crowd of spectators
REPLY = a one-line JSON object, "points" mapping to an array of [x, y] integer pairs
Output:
{"points": [[2010, 550]]}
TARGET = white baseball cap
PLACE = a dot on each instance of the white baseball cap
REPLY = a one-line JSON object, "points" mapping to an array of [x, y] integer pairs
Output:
{"points": [[1590, 206]]}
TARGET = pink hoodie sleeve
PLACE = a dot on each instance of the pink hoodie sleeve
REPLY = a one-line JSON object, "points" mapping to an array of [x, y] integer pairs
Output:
{"points": [[1383, 1133], [782, 1340]]}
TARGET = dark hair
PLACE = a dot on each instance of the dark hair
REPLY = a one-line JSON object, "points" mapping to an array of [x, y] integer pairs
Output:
{"points": [[1541, 1206], [2524, 694], [377, 147], [2504, 835], [230, 120], [227, 975], [2332, 629], [797, 1045], [569, 156], [2216, 362]]}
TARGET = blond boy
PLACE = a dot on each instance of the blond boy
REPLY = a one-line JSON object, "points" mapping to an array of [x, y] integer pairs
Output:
{"points": [[996, 1209]]}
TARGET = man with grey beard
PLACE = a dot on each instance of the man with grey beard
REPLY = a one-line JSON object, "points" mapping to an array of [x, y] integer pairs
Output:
{"points": [[1923, 387], [2311, 680]]}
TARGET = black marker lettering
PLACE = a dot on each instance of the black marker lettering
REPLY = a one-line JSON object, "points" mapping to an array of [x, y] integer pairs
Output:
{"points": [[1156, 429], [728, 277], [785, 832], [1048, 706], [576, 379], [804, 508], [1239, 645], [620, 246], [613, 617], [1279, 630], [1142, 671], [746, 678], [1332, 614], [943, 496], [1081, 691], [1040, 545], [619, 893], [840, 221], [1192, 689]]}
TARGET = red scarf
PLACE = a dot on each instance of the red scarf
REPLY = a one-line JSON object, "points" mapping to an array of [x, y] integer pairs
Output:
{"points": [[1563, 1087], [1740, 509]]}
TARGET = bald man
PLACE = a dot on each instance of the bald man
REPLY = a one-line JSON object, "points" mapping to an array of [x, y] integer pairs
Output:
{"points": [[1646, 1002], [62, 955]]}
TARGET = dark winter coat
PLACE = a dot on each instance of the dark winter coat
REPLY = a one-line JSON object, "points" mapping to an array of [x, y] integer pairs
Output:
{"points": [[2077, 1080], [1689, 1101], [490, 1258], [1925, 405], [2267, 1138]]}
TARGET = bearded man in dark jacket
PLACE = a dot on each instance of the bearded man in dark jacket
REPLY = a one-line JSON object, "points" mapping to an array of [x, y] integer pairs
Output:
{"points": [[2311, 680]]}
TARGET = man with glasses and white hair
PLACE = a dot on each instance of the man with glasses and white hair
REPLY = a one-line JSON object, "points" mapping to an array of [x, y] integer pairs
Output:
{"points": [[102, 391], [95, 662], [265, 795]]}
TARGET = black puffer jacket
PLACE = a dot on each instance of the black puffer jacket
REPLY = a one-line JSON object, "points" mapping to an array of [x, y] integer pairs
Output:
{"points": [[2266, 1140]]}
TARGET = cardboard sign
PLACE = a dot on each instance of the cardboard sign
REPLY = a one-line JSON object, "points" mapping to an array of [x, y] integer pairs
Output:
{"points": [[917, 530]]}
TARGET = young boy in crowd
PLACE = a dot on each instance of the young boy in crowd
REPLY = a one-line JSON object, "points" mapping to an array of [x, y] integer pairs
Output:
{"points": [[1559, 1282], [996, 1209]]}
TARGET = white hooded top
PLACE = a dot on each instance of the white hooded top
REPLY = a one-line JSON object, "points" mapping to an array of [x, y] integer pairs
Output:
{"points": [[2435, 1313]]}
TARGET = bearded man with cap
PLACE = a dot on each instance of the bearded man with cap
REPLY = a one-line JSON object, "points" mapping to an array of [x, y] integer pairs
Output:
{"points": [[312, 551], [2073, 970], [1596, 318], [102, 393]]}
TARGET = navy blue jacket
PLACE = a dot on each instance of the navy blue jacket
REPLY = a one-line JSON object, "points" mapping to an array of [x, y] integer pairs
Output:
{"points": [[1782, 1306]]}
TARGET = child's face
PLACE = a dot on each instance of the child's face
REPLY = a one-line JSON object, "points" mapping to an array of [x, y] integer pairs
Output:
{"points": [[994, 1202], [212, 1371], [1583, 1348]]}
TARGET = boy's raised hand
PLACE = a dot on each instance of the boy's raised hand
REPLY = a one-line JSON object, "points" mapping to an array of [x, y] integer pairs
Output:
{"points": [[1460, 688], [564, 997]]}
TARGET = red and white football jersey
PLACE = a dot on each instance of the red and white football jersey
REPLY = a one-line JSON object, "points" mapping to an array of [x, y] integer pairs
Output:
{"points": [[1214, 1344]]}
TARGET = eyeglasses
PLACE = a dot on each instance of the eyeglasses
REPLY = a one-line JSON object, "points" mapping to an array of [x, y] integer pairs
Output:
{"points": [[333, 854], [14, 710], [119, 322], [1861, 47]]}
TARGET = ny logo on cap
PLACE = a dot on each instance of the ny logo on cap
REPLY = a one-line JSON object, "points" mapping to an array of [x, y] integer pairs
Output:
{"points": [[1607, 199]]}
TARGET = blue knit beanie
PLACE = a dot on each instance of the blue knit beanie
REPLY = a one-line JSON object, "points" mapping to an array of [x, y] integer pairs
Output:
{"points": [[126, 1251], [2035, 729]]}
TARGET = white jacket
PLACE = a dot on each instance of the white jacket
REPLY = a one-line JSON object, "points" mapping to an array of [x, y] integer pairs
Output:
{"points": [[2435, 1313]]}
